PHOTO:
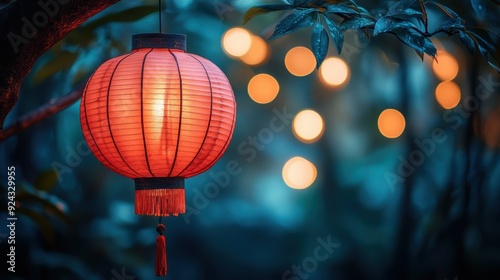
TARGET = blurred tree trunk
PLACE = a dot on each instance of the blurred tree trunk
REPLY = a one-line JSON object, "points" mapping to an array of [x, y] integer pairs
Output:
{"points": [[402, 256], [469, 176], [29, 29]]}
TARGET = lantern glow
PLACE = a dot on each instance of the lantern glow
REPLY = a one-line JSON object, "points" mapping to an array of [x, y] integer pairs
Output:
{"points": [[158, 115]]}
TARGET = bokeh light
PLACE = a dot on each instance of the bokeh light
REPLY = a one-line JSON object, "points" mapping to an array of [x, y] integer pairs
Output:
{"points": [[391, 123], [263, 88], [308, 126], [448, 94], [237, 41], [445, 66], [334, 72], [491, 129], [258, 52], [300, 61], [299, 173]]}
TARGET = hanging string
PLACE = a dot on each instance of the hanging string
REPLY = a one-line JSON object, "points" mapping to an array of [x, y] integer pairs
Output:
{"points": [[159, 15]]}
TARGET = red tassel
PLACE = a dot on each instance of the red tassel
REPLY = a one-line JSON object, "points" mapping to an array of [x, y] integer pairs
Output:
{"points": [[161, 252], [160, 202]]}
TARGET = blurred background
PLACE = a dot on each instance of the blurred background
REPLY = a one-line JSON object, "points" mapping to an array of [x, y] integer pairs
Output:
{"points": [[387, 164]]}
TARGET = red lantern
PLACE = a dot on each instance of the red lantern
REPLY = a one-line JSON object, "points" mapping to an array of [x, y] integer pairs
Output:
{"points": [[158, 115]]}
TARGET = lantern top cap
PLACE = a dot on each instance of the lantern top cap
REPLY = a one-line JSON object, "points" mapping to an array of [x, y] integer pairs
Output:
{"points": [[159, 40]]}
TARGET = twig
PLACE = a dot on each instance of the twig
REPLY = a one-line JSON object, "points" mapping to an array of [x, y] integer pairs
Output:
{"points": [[52, 107]]}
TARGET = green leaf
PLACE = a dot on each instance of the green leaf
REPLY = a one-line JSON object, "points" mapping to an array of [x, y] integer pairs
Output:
{"points": [[46, 180], [80, 37], [294, 22], [482, 41], [386, 24], [259, 10], [43, 222], [85, 34], [356, 23], [451, 25], [489, 58], [468, 41], [80, 76], [399, 6], [63, 60], [341, 9], [319, 43], [46, 204], [331, 2], [417, 41], [407, 14], [424, 12], [411, 12], [129, 15], [300, 3], [448, 11], [335, 33]]}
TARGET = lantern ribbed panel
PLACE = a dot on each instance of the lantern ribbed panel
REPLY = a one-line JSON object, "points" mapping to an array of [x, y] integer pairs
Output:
{"points": [[158, 112]]}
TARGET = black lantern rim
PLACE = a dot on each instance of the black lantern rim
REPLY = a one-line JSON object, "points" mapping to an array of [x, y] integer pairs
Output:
{"points": [[159, 40], [156, 183]]}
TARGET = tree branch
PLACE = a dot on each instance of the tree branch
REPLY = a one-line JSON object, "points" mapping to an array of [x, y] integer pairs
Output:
{"points": [[54, 106], [28, 29]]}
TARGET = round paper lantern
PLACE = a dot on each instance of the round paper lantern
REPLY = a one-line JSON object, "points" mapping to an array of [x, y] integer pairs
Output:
{"points": [[158, 115]]}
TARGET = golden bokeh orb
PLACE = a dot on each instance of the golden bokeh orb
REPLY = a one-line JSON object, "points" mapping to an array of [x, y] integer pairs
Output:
{"points": [[258, 52], [299, 173], [391, 123], [263, 88], [445, 66], [237, 41], [300, 61], [308, 126], [334, 72], [448, 94]]}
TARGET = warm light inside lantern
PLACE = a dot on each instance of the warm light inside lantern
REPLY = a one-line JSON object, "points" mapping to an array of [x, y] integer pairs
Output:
{"points": [[448, 94], [299, 173], [257, 53], [300, 61], [158, 115], [308, 126], [391, 123], [237, 41], [445, 66], [263, 88], [334, 72], [158, 109]]}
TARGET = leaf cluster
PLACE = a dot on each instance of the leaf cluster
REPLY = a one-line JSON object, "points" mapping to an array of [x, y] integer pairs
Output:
{"points": [[407, 20], [37, 203], [65, 53]]}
